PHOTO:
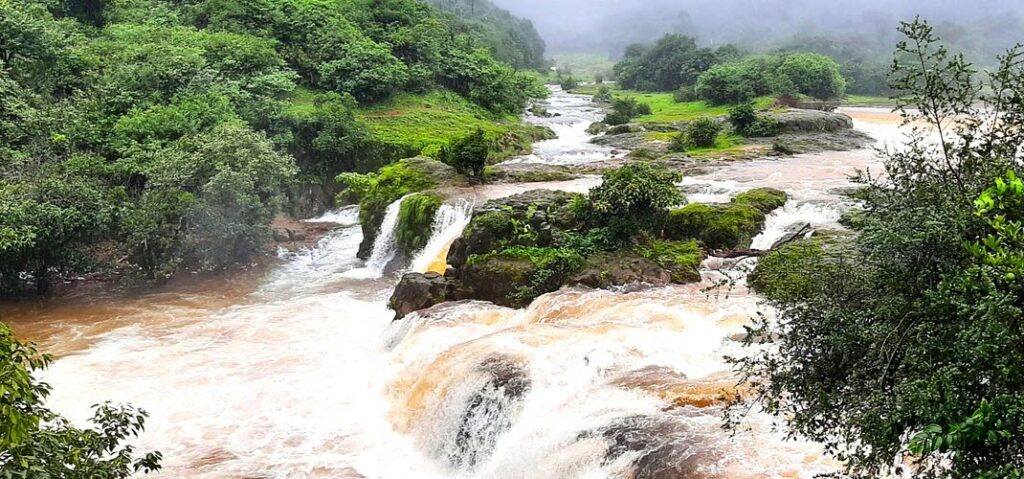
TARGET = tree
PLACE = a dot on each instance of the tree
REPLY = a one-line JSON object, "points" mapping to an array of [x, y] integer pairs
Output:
{"points": [[900, 350], [637, 190], [674, 61], [468, 155], [36, 442]]}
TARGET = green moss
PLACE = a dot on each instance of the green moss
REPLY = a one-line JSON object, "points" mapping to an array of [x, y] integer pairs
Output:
{"points": [[375, 191], [765, 200], [681, 258], [789, 273], [416, 220], [551, 268], [716, 226]]}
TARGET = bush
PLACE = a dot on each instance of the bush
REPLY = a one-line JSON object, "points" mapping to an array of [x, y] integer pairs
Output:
{"points": [[603, 95], [791, 74], [731, 83], [742, 116], [673, 61], [468, 155], [569, 83], [813, 75], [635, 197], [685, 94], [625, 109], [763, 127], [702, 133], [599, 79]]}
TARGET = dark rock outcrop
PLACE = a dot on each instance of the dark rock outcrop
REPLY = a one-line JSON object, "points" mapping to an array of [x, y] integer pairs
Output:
{"points": [[418, 291], [621, 268]]}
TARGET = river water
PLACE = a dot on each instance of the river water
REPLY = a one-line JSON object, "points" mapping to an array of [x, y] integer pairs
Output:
{"points": [[297, 371]]}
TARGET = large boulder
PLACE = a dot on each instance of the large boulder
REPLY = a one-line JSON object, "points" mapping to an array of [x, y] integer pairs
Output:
{"points": [[811, 121], [620, 268], [501, 279], [418, 291], [716, 226], [527, 219]]}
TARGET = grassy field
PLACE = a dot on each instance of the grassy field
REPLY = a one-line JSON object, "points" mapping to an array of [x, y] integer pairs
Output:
{"points": [[864, 100], [664, 108]]}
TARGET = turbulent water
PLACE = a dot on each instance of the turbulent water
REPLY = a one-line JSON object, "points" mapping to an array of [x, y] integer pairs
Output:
{"points": [[570, 116], [299, 372]]}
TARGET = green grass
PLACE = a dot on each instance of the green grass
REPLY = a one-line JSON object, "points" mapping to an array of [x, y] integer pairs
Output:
{"points": [[866, 100], [724, 145], [422, 121], [664, 108]]}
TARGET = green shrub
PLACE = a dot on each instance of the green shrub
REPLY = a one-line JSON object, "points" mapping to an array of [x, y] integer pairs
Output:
{"points": [[742, 116], [764, 200], [569, 83], [702, 133], [763, 127], [468, 155], [686, 94], [625, 109], [598, 79], [416, 221], [681, 258], [603, 95], [716, 226]]}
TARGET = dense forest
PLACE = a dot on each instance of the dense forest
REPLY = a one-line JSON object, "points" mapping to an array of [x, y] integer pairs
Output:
{"points": [[158, 135]]}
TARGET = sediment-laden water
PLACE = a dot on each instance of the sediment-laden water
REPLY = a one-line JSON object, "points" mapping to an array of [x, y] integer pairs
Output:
{"points": [[299, 372]]}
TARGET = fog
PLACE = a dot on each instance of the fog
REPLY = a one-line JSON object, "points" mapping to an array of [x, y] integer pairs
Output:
{"points": [[607, 26]]}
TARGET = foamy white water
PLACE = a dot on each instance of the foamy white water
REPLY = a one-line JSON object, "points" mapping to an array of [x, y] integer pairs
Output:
{"points": [[449, 222], [572, 145], [300, 372]]}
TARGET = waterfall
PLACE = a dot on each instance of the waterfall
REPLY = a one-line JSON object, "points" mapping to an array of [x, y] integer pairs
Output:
{"points": [[794, 213], [449, 222], [385, 247]]}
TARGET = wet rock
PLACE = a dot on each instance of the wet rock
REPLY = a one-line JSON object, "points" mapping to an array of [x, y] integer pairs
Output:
{"points": [[489, 412], [844, 140], [530, 173], [605, 270], [632, 141], [281, 235], [661, 447], [526, 219], [627, 128], [811, 121], [498, 279], [716, 226], [597, 128], [418, 291], [793, 232]]}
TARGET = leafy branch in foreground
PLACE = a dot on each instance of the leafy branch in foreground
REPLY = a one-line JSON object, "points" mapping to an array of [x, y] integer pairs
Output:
{"points": [[36, 442], [901, 350]]}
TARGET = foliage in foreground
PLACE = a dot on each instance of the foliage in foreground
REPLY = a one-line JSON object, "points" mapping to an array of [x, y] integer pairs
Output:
{"points": [[36, 442], [903, 353]]}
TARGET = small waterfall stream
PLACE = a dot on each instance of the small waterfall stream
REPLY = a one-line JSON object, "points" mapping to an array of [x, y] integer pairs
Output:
{"points": [[300, 373], [449, 222]]}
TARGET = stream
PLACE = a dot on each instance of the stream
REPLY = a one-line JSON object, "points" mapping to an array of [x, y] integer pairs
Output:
{"points": [[297, 371]]}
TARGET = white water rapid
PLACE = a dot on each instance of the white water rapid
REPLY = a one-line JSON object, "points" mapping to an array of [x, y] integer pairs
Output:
{"points": [[571, 115], [385, 245], [298, 372]]}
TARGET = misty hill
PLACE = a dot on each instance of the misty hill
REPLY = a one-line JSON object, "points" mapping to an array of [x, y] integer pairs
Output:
{"points": [[511, 39]]}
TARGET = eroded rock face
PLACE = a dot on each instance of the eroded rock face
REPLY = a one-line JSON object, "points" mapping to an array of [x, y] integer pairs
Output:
{"points": [[811, 121], [620, 268], [496, 279], [418, 291]]}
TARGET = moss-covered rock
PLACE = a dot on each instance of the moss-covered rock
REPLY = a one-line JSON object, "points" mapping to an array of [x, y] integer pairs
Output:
{"points": [[515, 276], [416, 221], [619, 268], [527, 220], [716, 226], [811, 121], [785, 273], [764, 200], [375, 191], [681, 259]]}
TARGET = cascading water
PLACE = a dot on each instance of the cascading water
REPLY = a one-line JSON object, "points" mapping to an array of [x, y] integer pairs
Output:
{"points": [[300, 372], [449, 222], [385, 246], [572, 146]]}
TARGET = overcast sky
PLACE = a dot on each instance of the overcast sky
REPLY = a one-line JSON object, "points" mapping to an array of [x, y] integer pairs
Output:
{"points": [[593, 25]]}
